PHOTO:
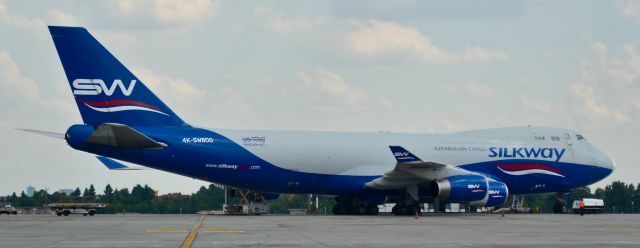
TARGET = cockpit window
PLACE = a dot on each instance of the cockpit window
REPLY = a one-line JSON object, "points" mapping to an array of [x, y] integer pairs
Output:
{"points": [[579, 137]]}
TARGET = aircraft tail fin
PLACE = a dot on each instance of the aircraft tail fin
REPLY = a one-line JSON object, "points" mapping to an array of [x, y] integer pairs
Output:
{"points": [[403, 156], [104, 89]]}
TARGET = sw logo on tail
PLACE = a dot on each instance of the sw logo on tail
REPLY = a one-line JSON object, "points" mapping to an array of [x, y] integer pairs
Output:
{"points": [[89, 87]]}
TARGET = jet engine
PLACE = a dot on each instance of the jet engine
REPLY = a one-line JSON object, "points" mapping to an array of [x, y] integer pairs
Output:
{"points": [[497, 195], [476, 189]]}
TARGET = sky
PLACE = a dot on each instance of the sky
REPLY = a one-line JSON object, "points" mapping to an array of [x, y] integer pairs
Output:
{"points": [[399, 66]]}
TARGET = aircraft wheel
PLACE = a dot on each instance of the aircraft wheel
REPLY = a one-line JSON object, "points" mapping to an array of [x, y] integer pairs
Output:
{"points": [[339, 209], [408, 210], [359, 210], [559, 208], [66, 213], [372, 210], [58, 214], [92, 212]]}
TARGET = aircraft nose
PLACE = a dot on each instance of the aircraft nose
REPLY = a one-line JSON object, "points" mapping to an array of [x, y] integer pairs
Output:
{"points": [[604, 160]]}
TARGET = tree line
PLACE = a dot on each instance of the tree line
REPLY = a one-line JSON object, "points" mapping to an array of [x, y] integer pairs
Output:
{"points": [[618, 196]]}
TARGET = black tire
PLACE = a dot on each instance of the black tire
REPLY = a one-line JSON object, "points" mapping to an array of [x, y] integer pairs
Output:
{"points": [[359, 210], [406, 210], [65, 213], [396, 209], [340, 209], [559, 208], [372, 210], [58, 214]]}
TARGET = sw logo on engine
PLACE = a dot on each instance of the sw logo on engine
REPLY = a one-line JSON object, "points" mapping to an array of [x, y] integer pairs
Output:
{"points": [[93, 87]]}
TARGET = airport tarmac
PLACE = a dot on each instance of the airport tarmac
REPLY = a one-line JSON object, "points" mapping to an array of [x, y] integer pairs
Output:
{"points": [[446, 230]]}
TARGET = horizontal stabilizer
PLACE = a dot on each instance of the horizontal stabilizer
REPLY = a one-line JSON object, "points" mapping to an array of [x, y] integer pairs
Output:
{"points": [[122, 136], [114, 165], [45, 133]]}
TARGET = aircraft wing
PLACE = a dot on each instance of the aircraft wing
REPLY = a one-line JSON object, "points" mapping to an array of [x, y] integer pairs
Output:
{"points": [[45, 133], [410, 170], [115, 165]]}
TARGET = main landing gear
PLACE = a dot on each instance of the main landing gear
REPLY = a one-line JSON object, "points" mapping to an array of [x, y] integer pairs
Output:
{"points": [[408, 203], [353, 206], [405, 209], [561, 205]]}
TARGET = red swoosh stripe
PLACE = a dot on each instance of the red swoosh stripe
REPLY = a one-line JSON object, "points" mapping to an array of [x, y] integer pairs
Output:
{"points": [[112, 103], [517, 167]]}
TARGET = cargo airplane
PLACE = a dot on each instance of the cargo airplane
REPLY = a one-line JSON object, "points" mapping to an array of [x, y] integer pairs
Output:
{"points": [[125, 121]]}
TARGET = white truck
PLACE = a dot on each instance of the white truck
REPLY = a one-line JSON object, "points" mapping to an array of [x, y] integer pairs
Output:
{"points": [[591, 205]]}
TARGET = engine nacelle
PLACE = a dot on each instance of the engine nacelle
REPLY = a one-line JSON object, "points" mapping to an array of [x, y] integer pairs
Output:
{"points": [[475, 189], [463, 188], [496, 195], [77, 135]]}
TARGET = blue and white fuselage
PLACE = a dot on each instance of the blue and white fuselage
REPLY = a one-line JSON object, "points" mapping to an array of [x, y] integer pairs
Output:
{"points": [[340, 163], [124, 120]]}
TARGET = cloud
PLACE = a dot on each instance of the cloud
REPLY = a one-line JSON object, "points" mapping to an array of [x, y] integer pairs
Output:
{"points": [[628, 8], [471, 88], [608, 86], [175, 90], [377, 38], [592, 103], [277, 22], [329, 92], [232, 101], [57, 17], [110, 37], [171, 12], [296, 24], [20, 21], [37, 25], [20, 94], [540, 106], [11, 80], [331, 84]]}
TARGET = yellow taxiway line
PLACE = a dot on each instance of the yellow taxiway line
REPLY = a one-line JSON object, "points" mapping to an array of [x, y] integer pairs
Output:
{"points": [[188, 241]]}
